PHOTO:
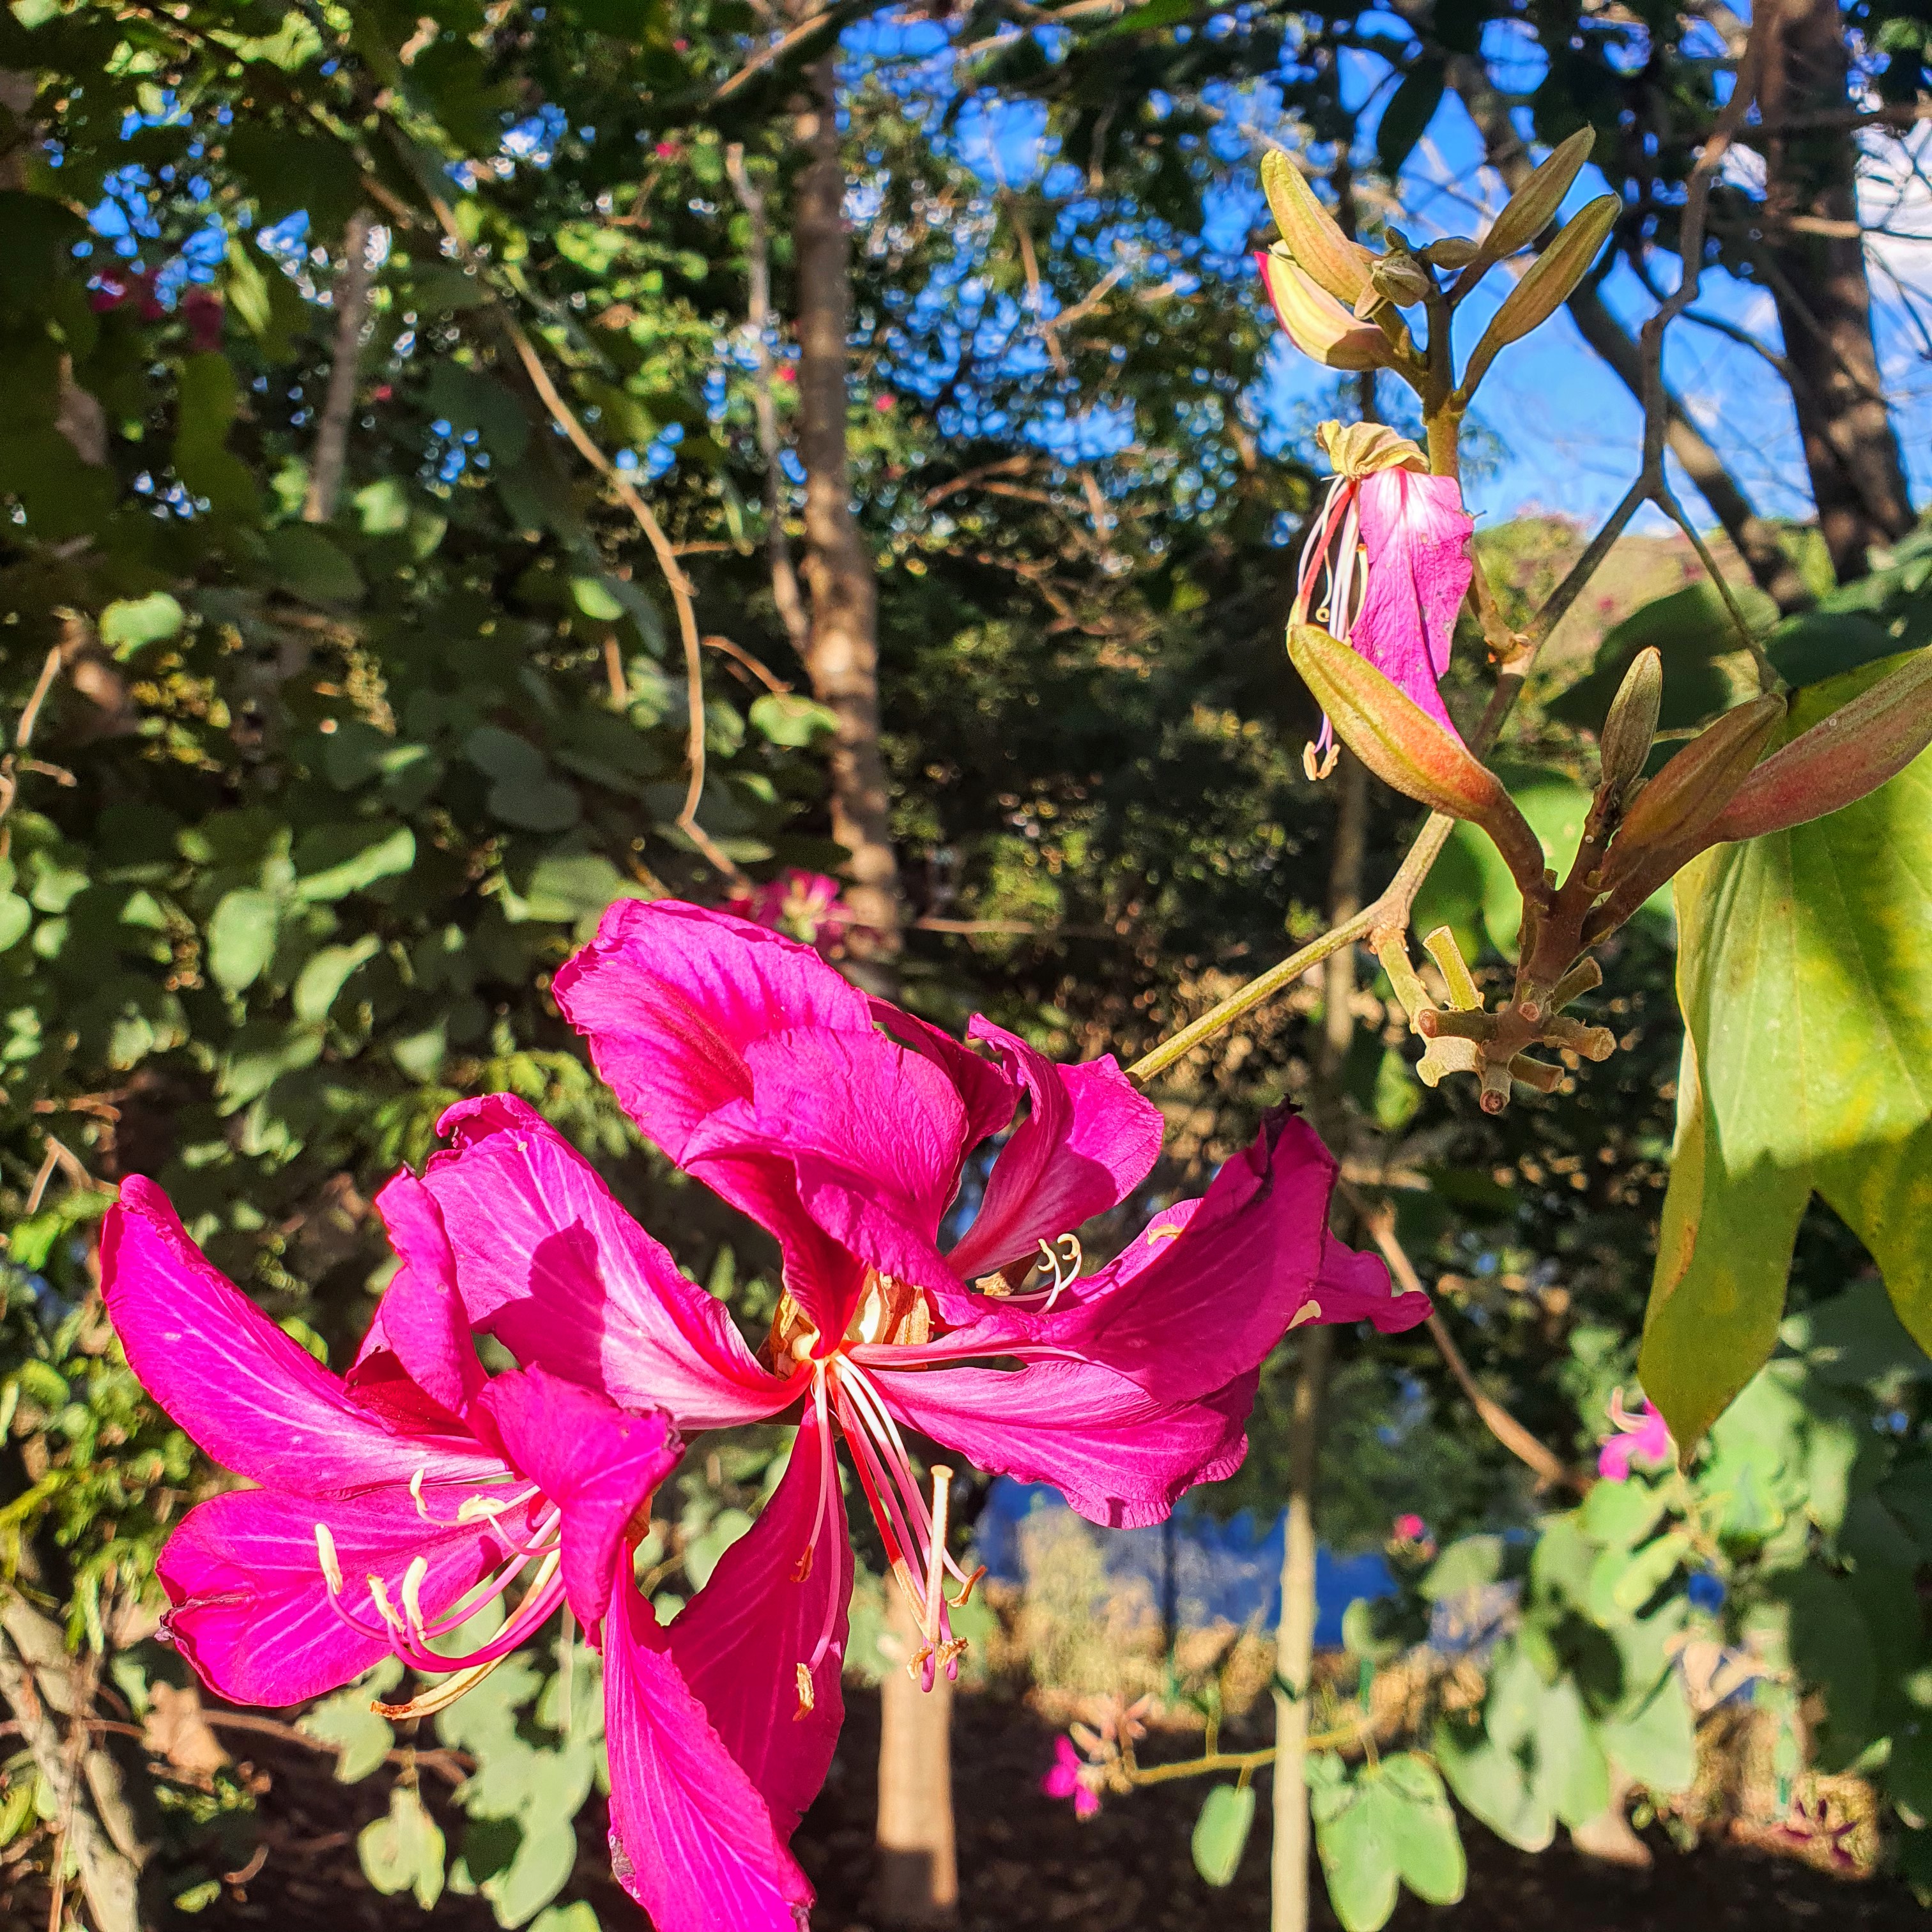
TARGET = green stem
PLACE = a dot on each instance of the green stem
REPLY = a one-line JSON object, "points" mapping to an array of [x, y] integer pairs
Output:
{"points": [[1210, 1762]]}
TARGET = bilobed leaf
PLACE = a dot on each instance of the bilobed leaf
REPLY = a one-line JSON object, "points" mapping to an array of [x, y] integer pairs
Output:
{"points": [[126, 626], [16, 916], [1428, 1848], [1488, 1782], [1466, 1564], [305, 562], [403, 1851], [1358, 1850], [1221, 1832], [540, 1869], [326, 974], [1803, 961], [362, 1739]]}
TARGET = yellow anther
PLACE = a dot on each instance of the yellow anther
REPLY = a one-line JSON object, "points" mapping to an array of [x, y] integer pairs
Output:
{"points": [[807, 1697], [412, 1583], [1309, 1311], [385, 1609], [324, 1549]]}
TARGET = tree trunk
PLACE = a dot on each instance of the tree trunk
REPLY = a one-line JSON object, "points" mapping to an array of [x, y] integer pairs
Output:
{"points": [[918, 1877], [350, 295], [1818, 283], [1295, 1642], [1756, 541], [842, 651], [917, 1883]]}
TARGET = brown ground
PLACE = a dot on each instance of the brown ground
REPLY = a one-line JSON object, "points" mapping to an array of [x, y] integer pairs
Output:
{"points": [[1026, 1865]]}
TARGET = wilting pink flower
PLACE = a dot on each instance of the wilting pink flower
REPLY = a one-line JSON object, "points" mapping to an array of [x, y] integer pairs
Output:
{"points": [[1065, 1779], [1389, 550], [844, 1126], [804, 906], [1642, 1436], [394, 1503]]}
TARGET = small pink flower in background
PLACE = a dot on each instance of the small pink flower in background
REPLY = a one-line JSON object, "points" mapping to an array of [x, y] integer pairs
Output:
{"points": [[668, 150], [885, 404], [804, 906], [1391, 550], [1409, 1529], [1642, 1436], [1067, 1779]]}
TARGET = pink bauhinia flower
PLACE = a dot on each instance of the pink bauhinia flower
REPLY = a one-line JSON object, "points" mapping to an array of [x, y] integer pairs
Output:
{"points": [[1642, 1435], [394, 1503], [844, 1126], [807, 906], [1390, 551], [1067, 1779]]}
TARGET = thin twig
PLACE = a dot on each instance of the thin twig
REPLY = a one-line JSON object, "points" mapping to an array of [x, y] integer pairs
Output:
{"points": [[23, 735], [1379, 1219], [620, 486]]}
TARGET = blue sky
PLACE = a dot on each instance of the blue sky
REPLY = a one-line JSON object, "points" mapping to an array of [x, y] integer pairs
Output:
{"points": [[1563, 433]]}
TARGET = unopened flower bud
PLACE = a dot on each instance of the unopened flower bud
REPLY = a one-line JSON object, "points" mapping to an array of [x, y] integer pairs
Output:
{"points": [[1407, 749], [1549, 283], [1401, 279], [1313, 237], [1691, 791], [1453, 251], [1846, 755], [1317, 324], [1630, 729]]}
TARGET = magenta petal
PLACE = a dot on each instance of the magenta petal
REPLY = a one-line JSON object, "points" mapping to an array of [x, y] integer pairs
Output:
{"points": [[420, 1319], [690, 1839], [1119, 1455], [1417, 537], [669, 995], [258, 1402], [1088, 1142], [252, 1611], [1355, 1287], [599, 1466], [552, 1266], [874, 1135], [1212, 1301], [741, 1641], [986, 1088]]}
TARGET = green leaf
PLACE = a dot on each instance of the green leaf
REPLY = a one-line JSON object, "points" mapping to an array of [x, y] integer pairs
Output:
{"points": [[1819, 644], [1221, 1832], [362, 1740], [787, 719], [241, 937], [305, 562], [1406, 118], [1829, 1644], [577, 1918], [1691, 630], [335, 860], [1804, 961], [1572, 1775], [16, 916], [541, 1869], [1657, 1747], [589, 595], [1467, 1564], [126, 627], [466, 400], [702, 1554], [1357, 1845], [535, 805], [403, 1852], [326, 974], [1428, 1848], [1622, 1514]]}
